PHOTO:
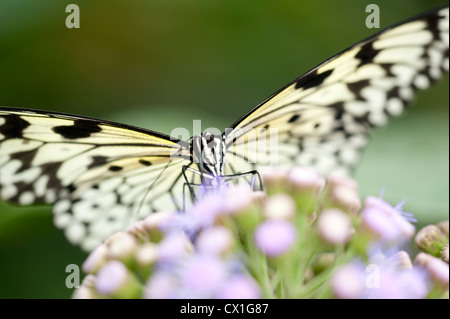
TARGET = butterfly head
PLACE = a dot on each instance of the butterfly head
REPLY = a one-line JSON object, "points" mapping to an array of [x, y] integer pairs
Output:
{"points": [[208, 153]]}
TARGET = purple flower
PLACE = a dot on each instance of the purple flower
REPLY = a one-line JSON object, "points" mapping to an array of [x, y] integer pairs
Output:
{"points": [[237, 199], [378, 281], [385, 223], [239, 287], [204, 212], [216, 240], [394, 284], [348, 282], [111, 277], [202, 275], [173, 247], [161, 285], [275, 237]]}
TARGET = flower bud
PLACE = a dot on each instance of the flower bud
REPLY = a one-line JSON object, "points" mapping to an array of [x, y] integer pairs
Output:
{"points": [[400, 261], [345, 198], [174, 246], [85, 293], [241, 205], [444, 253], [336, 179], [334, 226], [146, 257], [202, 276], [96, 259], [138, 231], [306, 180], [114, 280], [275, 180], [87, 289], [437, 268], [275, 237], [279, 206], [443, 226], [161, 285], [239, 199], [348, 282], [239, 287], [217, 240], [155, 223], [431, 240]]}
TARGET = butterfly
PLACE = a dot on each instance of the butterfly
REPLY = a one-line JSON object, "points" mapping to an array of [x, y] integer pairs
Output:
{"points": [[101, 176]]}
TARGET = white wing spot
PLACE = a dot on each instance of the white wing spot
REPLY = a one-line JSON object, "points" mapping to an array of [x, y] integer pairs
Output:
{"points": [[378, 118], [435, 57], [50, 196], [9, 191], [123, 188], [404, 74], [17, 145], [75, 232], [349, 156], [435, 73], [61, 206], [394, 106], [41, 185], [8, 171], [62, 151], [445, 64], [3, 160], [356, 108], [111, 184], [418, 38], [421, 81], [90, 243], [62, 220], [375, 97], [406, 93], [26, 198], [110, 223]]}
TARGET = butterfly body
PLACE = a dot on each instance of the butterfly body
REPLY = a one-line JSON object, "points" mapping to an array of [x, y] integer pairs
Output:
{"points": [[208, 151], [102, 176]]}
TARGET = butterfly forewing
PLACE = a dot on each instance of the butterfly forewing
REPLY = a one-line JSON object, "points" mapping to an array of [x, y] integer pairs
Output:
{"points": [[323, 118], [100, 175]]}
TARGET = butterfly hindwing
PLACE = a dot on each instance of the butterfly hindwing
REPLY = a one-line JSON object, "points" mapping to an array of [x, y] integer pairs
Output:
{"points": [[323, 118]]}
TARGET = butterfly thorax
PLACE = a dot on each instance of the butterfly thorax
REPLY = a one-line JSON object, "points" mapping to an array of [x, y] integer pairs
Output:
{"points": [[208, 151]]}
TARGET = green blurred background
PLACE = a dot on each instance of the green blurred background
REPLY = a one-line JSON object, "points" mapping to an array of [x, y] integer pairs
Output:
{"points": [[160, 64]]}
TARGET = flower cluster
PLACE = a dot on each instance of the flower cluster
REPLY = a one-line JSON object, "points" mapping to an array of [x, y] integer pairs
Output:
{"points": [[304, 237]]}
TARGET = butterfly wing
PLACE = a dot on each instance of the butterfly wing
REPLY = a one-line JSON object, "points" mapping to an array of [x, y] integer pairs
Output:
{"points": [[100, 175], [322, 119]]}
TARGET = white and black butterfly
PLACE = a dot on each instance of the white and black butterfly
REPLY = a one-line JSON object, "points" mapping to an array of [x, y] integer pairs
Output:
{"points": [[101, 176]]}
